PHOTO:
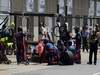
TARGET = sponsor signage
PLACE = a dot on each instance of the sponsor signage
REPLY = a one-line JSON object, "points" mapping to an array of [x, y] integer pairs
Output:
{"points": [[69, 7], [41, 6], [61, 7], [29, 5]]}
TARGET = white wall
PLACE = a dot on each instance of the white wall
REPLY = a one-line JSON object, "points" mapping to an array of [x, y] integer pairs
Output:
{"points": [[98, 9], [4, 5], [29, 5]]}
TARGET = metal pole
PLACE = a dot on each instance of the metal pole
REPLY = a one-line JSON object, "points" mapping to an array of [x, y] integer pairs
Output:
{"points": [[66, 8], [95, 6], [15, 18]]}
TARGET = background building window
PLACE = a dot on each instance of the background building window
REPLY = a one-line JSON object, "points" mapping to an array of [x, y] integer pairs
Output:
{"points": [[29, 5], [5, 5]]}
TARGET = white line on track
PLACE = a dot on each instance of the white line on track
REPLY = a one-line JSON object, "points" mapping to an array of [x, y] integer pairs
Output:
{"points": [[97, 73]]}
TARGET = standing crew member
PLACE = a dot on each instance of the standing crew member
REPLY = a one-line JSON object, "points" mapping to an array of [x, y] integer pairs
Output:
{"points": [[20, 46], [93, 48]]}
